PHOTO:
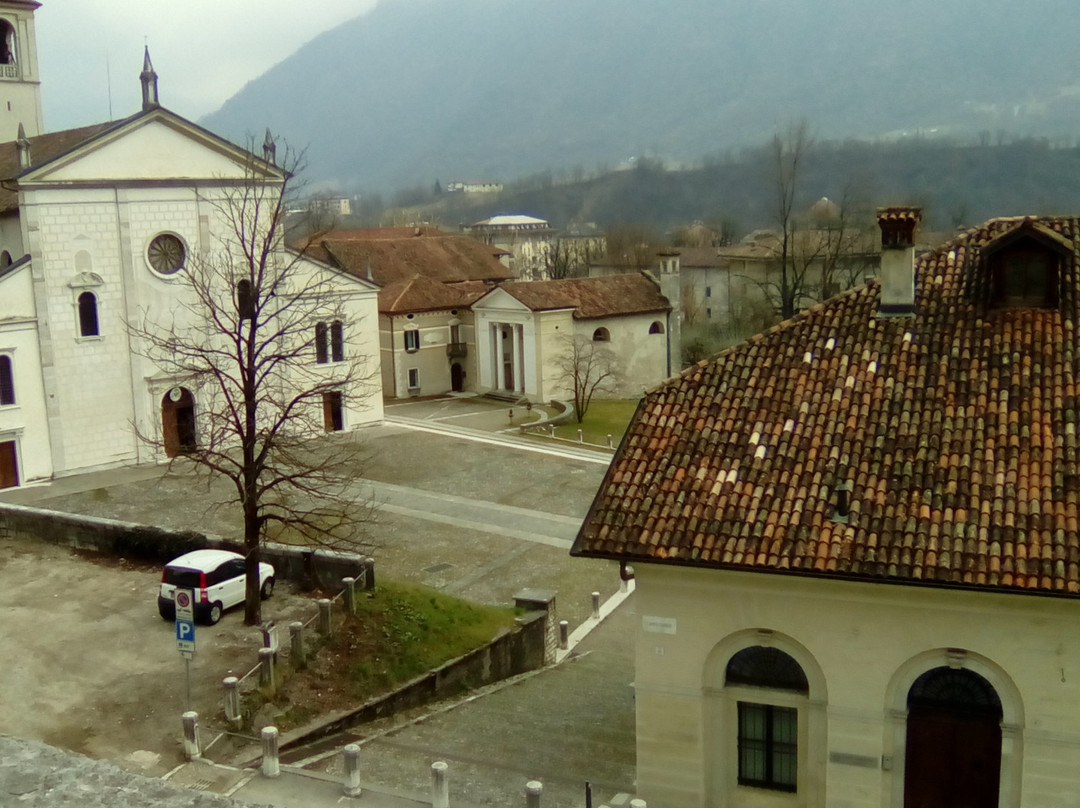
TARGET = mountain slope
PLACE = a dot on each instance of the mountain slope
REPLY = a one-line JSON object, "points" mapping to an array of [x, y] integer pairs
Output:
{"points": [[419, 89]]}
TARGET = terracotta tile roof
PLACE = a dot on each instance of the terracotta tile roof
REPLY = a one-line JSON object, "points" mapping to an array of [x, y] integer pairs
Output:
{"points": [[423, 294], [392, 256], [43, 148], [956, 429], [592, 297]]}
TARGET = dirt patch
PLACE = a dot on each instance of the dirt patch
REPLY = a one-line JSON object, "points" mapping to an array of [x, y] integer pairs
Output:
{"points": [[90, 666]]}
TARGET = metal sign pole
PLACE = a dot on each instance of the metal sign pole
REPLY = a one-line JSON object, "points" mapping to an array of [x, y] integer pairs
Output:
{"points": [[187, 671]]}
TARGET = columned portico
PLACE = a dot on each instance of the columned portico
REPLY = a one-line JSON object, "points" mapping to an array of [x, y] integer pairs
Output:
{"points": [[507, 355]]}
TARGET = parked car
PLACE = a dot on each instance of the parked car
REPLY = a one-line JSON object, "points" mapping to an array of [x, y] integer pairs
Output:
{"points": [[216, 578]]}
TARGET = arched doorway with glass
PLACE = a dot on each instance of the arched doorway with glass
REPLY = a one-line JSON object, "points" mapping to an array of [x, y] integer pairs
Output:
{"points": [[178, 421]]}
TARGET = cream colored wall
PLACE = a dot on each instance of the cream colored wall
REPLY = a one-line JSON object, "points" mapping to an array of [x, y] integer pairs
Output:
{"points": [[553, 330], [431, 359], [868, 642], [641, 357], [24, 422]]}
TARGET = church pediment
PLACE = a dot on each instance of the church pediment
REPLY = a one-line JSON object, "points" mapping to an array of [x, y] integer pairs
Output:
{"points": [[151, 147]]}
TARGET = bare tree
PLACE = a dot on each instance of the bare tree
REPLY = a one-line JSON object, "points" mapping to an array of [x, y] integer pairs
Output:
{"points": [[788, 155], [587, 366], [632, 247], [263, 336], [566, 258]]}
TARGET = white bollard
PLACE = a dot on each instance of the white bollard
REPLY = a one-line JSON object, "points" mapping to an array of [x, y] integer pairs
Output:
{"points": [[296, 644], [352, 770], [596, 605], [324, 617], [191, 735], [271, 767], [637, 803], [232, 699], [349, 594], [564, 635], [533, 790], [440, 788], [266, 667]]}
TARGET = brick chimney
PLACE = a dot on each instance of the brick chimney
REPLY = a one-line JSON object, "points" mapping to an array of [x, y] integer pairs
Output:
{"points": [[898, 225]]}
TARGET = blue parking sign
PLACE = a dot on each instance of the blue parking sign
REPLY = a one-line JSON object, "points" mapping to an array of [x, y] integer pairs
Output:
{"points": [[185, 636]]}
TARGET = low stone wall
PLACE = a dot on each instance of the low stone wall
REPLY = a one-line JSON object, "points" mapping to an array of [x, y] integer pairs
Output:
{"points": [[310, 568], [512, 653]]}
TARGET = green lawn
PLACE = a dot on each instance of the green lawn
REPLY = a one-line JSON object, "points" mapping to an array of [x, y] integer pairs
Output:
{"points": [[603, 418]]}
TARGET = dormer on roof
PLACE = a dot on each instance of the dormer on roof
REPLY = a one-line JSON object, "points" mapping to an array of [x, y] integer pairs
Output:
{"points": [[1024, 266]]}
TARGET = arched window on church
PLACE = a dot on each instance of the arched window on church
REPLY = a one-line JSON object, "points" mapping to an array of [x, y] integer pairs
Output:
{"points": [[88, 315], [7, 42]]}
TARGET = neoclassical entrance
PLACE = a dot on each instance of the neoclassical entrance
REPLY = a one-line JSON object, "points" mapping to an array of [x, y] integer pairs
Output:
{"points": [[508, 357], [953, 748], [178, 421]]}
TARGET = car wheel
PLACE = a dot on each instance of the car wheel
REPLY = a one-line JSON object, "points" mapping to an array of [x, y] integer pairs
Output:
{"points": [[165, 614], [267, 588], [214, 614]]}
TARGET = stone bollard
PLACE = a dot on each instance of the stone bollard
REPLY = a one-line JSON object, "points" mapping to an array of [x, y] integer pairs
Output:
{"points": [[596, 605], [191, 735], [580, 439], [624, 586], [369, 574], [232, 699], [638, 803], [324, 617], [564, 635], [610, 442], [440, 788], [296, 644], [552, 427], [352, 770], [271, 767], [349, 594], [533, 790], [266, 667]]}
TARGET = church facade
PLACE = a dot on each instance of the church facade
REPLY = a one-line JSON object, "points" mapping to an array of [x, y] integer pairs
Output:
{"points": [[98, 226]]}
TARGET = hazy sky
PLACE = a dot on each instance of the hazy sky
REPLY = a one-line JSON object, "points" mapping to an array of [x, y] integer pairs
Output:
{"points": [[204, 51]]}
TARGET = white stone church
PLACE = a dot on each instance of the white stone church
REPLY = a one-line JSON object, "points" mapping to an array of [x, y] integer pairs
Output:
{"points": [[96, 225]]}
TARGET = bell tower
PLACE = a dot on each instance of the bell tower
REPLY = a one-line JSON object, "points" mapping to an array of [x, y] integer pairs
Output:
{"points": [[20, 82]]}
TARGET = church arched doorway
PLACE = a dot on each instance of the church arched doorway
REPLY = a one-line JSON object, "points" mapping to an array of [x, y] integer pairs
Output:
{"points": [[178, 421], [953, 749]]}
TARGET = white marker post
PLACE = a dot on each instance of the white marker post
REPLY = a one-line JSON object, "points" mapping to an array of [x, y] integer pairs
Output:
{"points": [[185, 632]]}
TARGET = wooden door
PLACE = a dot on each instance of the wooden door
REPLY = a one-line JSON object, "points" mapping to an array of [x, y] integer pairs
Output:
{"points": [[952, 760], [457, 378], [178, 421], [9, 465]]}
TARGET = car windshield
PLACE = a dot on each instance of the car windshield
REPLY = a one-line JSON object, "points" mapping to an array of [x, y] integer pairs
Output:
{"points": [[183, 578]]}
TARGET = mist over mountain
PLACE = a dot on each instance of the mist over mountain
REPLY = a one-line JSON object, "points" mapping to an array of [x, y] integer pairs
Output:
{"points": [[494, 89]]}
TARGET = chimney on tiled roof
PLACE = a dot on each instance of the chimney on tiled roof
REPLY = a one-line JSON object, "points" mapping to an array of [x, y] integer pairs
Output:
{"points": [[898, 225], [149, 83], [22, 147]]}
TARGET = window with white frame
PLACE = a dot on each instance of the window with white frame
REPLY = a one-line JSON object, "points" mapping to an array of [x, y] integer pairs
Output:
{"points": [[414, 378], [7, 381], [412, 340], [88, 315], [330, 342]]}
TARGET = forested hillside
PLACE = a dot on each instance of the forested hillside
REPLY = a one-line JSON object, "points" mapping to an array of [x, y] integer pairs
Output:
{"points": [[476, 89]]}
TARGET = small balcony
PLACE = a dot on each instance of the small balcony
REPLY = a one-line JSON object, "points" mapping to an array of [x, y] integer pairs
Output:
{"points": [[457, 350]]}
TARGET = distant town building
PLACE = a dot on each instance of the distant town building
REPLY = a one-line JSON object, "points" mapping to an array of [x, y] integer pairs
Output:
{"points": [[473, 187], [331, 205]]}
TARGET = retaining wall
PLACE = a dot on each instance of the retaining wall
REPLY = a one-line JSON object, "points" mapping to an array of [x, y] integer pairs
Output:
{"points": [[310, 568]]}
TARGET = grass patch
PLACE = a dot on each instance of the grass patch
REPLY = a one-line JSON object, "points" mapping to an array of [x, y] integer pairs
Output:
{"points": [[400, 631], [603, 418]]}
